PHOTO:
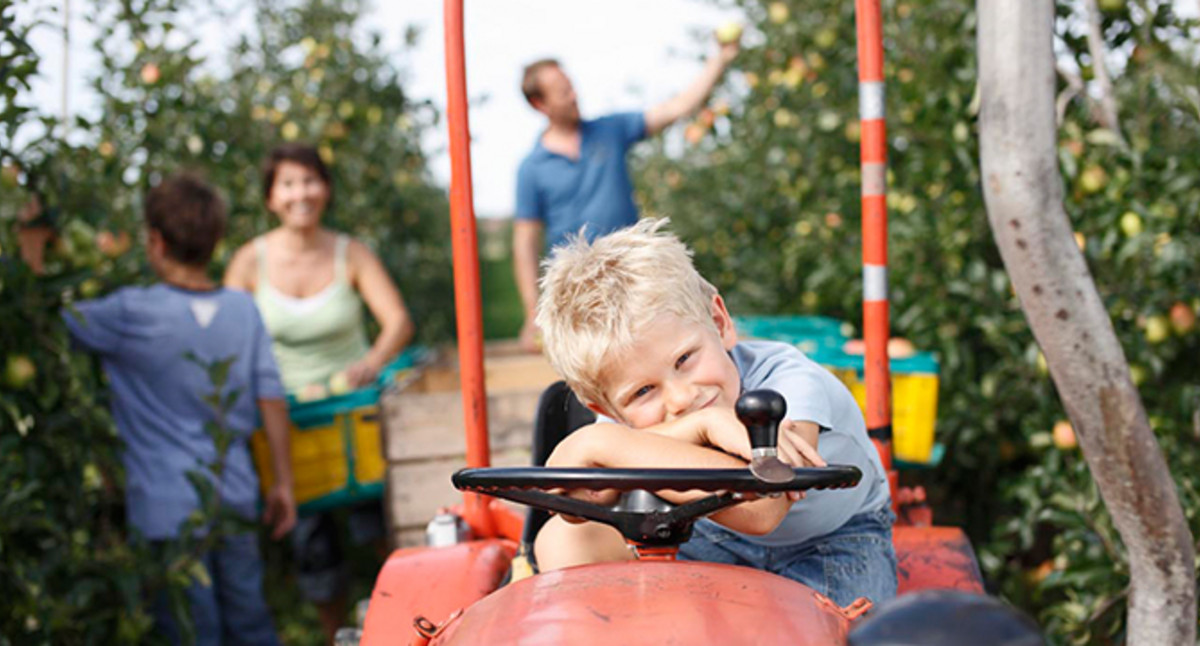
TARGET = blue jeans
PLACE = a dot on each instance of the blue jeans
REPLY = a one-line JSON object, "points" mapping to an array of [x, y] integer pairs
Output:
{"points": [[855, 560], [230, 611]]}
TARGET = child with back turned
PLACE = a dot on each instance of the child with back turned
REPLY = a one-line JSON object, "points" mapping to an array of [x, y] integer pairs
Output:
{"points": [[646, 343], [152, 341]]}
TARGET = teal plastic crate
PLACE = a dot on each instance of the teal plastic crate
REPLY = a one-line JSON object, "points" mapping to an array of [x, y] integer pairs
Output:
{"points": [[809, 333]]}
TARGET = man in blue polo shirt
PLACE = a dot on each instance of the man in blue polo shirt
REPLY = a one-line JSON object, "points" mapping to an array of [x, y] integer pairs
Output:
{"points": [[575, 178]]}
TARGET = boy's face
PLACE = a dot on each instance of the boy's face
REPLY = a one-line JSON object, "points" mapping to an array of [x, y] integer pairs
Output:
{"points": [[676, 367], [298, 195]]}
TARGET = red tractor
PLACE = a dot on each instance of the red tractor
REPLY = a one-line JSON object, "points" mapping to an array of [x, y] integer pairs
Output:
{"points": [[471, 590]]}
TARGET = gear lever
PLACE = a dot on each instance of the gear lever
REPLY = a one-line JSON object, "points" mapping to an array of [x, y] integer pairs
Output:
{"points": [[761, 411]]}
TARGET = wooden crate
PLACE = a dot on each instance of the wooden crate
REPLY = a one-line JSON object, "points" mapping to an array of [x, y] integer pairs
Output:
{"points": [[424, 439]]}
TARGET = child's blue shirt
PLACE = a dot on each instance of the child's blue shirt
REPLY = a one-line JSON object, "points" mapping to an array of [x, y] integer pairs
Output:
{"points": [[143, 337], [814, 394]]}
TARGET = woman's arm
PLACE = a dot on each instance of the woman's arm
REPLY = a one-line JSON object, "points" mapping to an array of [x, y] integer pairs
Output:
{"points": [[240, 274], [396, 328]]}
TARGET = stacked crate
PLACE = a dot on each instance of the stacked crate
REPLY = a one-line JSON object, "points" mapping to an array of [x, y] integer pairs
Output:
{"points": [[424, 439]]}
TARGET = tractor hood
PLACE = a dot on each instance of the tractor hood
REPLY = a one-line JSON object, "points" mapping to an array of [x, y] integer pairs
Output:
{"points": [[651, 602]]}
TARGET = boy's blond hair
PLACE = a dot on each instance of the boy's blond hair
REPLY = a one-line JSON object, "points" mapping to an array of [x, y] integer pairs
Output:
{"points": [[596, 297]]}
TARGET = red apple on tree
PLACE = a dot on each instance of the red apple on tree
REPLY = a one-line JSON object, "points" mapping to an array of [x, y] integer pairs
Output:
{"points": [[1183, 318]]}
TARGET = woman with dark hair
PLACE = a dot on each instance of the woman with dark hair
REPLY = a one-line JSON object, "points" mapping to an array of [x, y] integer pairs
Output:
{"points": [[310, 284]]}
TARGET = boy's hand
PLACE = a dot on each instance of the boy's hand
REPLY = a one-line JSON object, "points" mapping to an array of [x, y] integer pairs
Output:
{"points": [[281, 511], [797, 442], [720, 428], [579, 450]]}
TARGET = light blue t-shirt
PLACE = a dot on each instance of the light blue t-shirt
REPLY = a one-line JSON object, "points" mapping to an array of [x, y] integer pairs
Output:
{"points": [[142, 335], [594, 190], [814, 394]]}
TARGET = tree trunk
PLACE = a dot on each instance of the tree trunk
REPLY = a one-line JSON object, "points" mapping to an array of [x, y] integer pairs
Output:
{"points": [[1023, 193]]}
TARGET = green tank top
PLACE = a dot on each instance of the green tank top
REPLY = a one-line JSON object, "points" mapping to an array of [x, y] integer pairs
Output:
{"points": [[316, 336]]}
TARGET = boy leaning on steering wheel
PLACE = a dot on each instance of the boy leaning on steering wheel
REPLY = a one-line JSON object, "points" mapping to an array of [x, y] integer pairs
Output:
{"points": [[646, 343]]}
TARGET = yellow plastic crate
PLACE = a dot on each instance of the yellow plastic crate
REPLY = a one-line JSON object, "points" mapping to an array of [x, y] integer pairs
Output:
{"points": [[914, 411], [337, 445], [337, 454]]}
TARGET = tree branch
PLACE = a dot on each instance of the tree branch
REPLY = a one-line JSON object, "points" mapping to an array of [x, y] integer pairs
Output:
{"points": [[1074, 87], [1099, 53]]}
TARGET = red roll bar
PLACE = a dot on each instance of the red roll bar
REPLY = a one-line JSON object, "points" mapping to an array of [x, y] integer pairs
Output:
{"points": [[467, 298]]}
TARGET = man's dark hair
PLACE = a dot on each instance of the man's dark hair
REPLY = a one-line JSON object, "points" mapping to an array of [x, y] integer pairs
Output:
{"points": [[530, 86], [302, 154], [189, 215]]}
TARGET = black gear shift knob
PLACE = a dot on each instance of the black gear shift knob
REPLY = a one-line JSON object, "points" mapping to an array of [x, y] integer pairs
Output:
{"points": [[761, 411]]}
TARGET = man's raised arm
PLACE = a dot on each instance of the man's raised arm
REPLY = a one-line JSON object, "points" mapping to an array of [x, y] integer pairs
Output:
{"points": [[692, 97]]}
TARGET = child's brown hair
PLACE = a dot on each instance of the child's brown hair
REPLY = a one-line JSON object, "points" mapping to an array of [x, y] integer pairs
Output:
{"points": [[189, 215]]}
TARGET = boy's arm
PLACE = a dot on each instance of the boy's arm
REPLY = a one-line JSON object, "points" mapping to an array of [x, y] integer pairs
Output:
{"points": [[798, 443], [668, 446], [281, 503]]}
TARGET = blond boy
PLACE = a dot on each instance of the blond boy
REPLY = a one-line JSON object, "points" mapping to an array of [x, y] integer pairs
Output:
{"points": [[648, 344]]}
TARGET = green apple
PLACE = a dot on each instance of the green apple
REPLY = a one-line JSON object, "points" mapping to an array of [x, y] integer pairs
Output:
{"points": [[778, 12], [1092, 179], [1157, 329], [1131, 224], [339, 384], [19, 371], [730, 32], [89, 288], [825, 38]]}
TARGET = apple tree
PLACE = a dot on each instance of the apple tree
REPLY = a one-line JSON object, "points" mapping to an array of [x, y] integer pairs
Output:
{"points": [[308, 71]]}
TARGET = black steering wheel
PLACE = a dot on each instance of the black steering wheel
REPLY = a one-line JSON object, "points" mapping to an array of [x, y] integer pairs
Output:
{"points": [[647, 520]]}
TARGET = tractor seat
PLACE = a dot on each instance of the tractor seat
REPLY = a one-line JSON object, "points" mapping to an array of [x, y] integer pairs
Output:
{"points": [[559, 413]]}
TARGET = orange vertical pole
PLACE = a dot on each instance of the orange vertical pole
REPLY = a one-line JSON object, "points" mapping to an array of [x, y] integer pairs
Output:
{"points": [[874, 224], [467, 298]]}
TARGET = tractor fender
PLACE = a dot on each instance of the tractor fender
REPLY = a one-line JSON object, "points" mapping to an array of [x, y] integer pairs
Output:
{"points": [[431, 584], [930, 558]]}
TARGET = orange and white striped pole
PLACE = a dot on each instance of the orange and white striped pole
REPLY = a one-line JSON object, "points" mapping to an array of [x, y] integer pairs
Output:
{"points": [[874, 225]]}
